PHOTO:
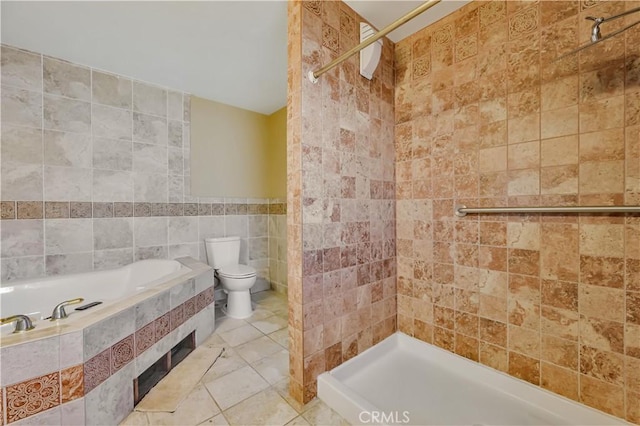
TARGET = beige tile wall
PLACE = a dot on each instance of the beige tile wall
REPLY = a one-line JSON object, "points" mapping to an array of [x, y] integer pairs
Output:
{"points": [[95, 173], [341, 232], [278, 251], [485, 116]]}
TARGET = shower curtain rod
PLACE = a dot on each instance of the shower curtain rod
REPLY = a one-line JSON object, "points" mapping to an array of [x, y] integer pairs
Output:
{"points": [[313, 75], [462, 210]]}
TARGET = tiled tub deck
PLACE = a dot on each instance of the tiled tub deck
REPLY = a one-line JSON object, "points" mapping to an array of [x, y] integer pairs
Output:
{"points": [[83, 373]]}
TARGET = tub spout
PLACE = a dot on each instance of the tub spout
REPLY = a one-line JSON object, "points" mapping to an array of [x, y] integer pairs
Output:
{"points": [[23, 323], [59, 312]]}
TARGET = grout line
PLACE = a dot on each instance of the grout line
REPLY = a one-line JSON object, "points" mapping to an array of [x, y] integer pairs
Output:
{"points": [[93, 231], [44, 197], [133, 176]]}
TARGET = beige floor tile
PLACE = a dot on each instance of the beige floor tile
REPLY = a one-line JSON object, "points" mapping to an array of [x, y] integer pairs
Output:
{"points": [[258, 314], [281, 337], [299, 421], [318, 413], [218, 420], [196, 408], [272, 303], [257, 349], [227, 362], [271, 324], [172, 390], [277, 306], [235, 387], [225, 323], [274, 368], [135, 419], [266, 296], [282, 312], [265, 408], [283, 389], [214, 341], [241, 335]]}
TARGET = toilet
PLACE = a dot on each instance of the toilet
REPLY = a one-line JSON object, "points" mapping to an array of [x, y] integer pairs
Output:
{"points": [[223, 255]]}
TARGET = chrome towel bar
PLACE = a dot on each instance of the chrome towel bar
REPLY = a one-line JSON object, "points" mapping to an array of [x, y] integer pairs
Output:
{"points": [[462, 210]]}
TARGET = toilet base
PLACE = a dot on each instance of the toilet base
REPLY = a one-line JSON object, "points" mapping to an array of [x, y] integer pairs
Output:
{"points": [[238, 304]]}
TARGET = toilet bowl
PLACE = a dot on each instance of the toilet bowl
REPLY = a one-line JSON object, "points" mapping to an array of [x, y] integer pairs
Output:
{"points": [[236, 279]]}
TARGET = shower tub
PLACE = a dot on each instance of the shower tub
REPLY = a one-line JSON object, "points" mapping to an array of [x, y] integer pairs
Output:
{"points": [[402, 380], [81, 369]]}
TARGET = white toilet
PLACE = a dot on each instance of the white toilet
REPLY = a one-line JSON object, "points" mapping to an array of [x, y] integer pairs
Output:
{"points": [[236, 279]]}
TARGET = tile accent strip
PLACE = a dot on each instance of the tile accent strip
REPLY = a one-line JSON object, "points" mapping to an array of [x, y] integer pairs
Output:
{"points": [[72, 383], [33, 396], [84, 210]]}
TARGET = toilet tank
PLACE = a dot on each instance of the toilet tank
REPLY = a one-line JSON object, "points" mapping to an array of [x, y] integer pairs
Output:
{"points": [[222, 251]]}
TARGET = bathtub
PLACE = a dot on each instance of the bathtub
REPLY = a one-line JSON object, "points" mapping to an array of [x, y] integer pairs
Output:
{"points": [[402, 380], [37, 297], [80, 370]]}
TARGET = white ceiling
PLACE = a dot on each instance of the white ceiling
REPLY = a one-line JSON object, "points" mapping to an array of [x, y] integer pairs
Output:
{"points": [[383, 12], [233, 52]]}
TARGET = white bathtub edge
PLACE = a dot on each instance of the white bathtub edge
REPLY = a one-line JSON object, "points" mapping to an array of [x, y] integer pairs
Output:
{"points": [[348, 403], [342, 399], [190, 269]]}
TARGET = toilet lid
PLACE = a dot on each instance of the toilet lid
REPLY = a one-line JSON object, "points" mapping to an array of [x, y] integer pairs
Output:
{"points": [[237, 271]]}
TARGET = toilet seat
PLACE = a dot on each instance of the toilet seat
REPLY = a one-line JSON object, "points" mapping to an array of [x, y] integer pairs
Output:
{"points": [[237, 271]]}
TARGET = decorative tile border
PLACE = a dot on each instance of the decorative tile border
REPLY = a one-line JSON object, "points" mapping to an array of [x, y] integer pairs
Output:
{"points": [[122, 353], [33, 396], [97, 370], [162, 326], [83, 210], [72, 383], [38, 394], [145, 338]]}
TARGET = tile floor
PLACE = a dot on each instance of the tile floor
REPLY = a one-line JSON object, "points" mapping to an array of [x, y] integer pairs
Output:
{"points": [[248, 384]]}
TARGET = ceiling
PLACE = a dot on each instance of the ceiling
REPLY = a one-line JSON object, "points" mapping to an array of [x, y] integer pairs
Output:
{"points": [[381, 13], [233, 52]]}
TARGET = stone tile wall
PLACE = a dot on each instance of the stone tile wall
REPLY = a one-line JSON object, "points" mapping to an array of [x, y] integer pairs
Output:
{"points": [[486, 116], [341, 230], [112, 154], [278, 250]]}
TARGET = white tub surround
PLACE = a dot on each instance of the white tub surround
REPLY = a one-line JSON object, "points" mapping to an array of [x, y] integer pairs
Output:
{"points": [[402, 380], [82, 371], [37, 297]]}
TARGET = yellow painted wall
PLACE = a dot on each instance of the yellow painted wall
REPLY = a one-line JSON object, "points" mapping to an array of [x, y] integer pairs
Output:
{"points": [[236, 152], [277, 153]]}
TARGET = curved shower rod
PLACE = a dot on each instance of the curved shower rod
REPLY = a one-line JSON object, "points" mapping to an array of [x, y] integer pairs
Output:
{"points": [[596, 35]]}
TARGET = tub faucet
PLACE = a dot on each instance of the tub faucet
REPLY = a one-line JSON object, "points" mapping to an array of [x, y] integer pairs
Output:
{"points": [[23, 323], [59, 312]]}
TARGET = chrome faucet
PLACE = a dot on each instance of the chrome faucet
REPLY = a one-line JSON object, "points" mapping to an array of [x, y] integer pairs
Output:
{"points": [[59, 312], [23, 323]]}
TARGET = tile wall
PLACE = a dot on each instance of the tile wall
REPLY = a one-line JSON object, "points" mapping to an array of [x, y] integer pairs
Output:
{"points": [[341, 231], [278, 250], [485, 116], [95, 174]]}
